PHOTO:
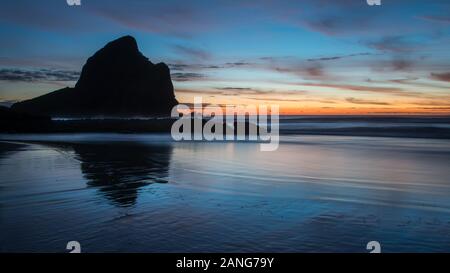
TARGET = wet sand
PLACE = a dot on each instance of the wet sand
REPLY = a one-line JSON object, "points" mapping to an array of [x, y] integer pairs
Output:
{"points": [[146, 193]]}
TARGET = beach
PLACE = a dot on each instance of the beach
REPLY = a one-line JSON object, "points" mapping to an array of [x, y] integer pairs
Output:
{"points": [[147, 193]]}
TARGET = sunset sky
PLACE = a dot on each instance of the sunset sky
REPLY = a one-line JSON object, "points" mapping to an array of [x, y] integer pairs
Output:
{"points": [[309, 57]]}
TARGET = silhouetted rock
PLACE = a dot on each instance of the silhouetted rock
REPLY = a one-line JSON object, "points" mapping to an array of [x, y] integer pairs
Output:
{"points": [[13, 121], [116, 81], [9, 114]]}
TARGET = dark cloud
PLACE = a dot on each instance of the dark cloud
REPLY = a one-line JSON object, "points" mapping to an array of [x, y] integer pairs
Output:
{"points": [[396, 63], [401, 64], [309, 71], [192, 67], [362, 101], [183, 77], [231, 91], [235, 88], [291, 65], [315, 71], [237, 64], [267, 58], [180, 66], [284, 97], [330, 25], [436, 108], [412, 81], [41, 75], [394, 44], [194, 53], [402, 81], [433, 103], [325, 59], [441, 76], [333, 58], [439, 19]]}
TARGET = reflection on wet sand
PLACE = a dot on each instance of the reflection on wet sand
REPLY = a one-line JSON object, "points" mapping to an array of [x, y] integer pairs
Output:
{"points": [[119, 170], [7, 148]]}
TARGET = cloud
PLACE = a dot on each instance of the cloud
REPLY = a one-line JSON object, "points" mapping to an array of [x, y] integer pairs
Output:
{"points": [[193, 53], [332, 24], [315, 71], [305, 70], [438, 19], [235, 88], [413, 81], [234, 91], [41, 75], [334, 58], [194, 91], [237, 64], [181, 66], [393, 44], [396, 63], [433, 103], [332, 18], [441, 76], [373, 89], [183, 77], [238, 91], [287, 99], [274, 99], [362, 101], [257, 91], [401, 64], [178, 66], [436, 108]]}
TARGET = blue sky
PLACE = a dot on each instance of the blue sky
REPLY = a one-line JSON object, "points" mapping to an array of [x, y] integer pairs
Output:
{"points": [[310, 57]]}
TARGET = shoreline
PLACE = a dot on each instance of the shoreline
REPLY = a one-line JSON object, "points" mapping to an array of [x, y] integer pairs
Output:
{"points": [[408, 127]]}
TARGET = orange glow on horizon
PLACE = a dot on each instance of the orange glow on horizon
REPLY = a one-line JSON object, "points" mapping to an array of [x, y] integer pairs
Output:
{"points": [[328, 111], [322, 103]]}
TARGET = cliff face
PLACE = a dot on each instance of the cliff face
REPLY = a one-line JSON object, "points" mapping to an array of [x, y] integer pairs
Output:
{"points": [[116, 81]]}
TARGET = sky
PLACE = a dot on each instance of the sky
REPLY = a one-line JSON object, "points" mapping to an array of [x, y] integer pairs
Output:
{"points": [[309, 57]]}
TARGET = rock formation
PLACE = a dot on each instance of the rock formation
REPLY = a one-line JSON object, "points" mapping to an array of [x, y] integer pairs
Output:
{"points": [[117, 81]]}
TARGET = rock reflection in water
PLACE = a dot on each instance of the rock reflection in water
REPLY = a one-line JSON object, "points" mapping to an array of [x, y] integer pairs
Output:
{"points": [[119, 170]]}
